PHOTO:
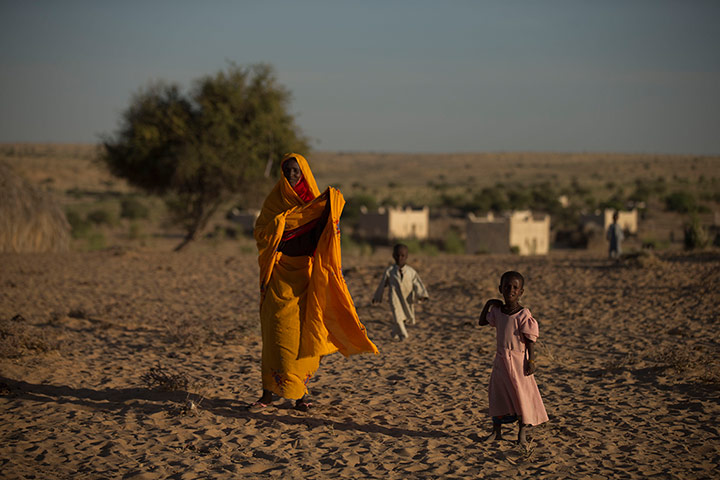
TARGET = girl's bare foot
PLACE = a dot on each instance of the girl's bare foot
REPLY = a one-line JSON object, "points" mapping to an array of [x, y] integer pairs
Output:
{"points": [[522, 435]]}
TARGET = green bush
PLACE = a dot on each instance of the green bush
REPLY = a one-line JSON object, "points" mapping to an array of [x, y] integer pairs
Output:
{"points": [[519, 199], [681, 202], [613, 203], [355, 203], [133, 209], [135, 231], [652, 243], [696, 236], [101, 217], [355, 247], [79, 225], [644, 189], [430, 249], [415, 246], [490, 198], [96, 241], [74, 192], [453, 201], [390, 201], [452, 243], [545, 198]]}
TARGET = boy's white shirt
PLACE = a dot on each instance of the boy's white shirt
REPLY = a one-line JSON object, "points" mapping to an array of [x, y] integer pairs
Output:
{"points": [[404, 289]]}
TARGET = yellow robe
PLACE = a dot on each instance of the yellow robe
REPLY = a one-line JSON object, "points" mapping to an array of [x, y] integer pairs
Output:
{"points": [[305, 307]]}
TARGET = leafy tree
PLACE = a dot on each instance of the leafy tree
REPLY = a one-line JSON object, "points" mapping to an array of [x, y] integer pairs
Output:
{"points": [[223, 138], [497, 198], [683, 202], [519, 199], [354, 205], [545, 198], [133, 209]]}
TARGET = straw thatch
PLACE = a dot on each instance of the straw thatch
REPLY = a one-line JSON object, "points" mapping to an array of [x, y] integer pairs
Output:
{"points": [[30, 221]]}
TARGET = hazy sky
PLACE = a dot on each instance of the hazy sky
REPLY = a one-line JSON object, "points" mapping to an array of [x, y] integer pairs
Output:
{"points": [[394, 76]]}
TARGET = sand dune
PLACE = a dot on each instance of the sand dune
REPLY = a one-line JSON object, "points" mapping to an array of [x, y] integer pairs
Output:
{"points": [[628, 368]]}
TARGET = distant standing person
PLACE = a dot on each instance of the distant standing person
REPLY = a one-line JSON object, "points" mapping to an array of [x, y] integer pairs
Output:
{"points": [[405, 287], [614, 237], [513, 394]]}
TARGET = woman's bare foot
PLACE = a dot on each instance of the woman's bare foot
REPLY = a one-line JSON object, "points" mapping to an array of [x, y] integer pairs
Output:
{"points": [[262, 402], [302, 404]]}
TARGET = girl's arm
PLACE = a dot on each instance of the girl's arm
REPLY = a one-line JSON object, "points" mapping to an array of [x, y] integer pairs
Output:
{"points": [[530, 361], [486, 309]]}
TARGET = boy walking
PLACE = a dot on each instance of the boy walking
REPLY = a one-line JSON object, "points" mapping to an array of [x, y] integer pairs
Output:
{"points": [[405, 286]]}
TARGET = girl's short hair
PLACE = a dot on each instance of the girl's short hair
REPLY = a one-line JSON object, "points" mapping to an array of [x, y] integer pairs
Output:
{"points": [[507, 276]]}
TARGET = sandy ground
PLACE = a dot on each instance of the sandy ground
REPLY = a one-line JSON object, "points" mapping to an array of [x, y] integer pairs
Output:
{"points": [[628, 369]]}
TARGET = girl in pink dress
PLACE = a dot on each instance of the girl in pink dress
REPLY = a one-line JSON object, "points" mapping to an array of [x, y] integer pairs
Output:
{"points": [[513, 393]]}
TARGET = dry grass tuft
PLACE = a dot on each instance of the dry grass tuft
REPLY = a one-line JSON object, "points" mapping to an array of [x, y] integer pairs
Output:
{"points": [[30, 220], [642, 259], [17, 338], [5, 390], [78, 313], [677, 358], [622, 363], [697, 363], [711, 375], [162, 379]]}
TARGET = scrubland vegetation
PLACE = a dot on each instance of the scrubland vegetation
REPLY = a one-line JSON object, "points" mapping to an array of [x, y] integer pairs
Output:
{"points": [[676, 196]]}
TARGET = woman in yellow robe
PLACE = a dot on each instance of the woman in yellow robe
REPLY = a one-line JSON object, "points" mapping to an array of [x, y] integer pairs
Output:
{"points": [[305, 307]]}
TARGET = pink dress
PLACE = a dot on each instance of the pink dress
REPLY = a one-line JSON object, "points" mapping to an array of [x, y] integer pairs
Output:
{"points": [[512, 392]]}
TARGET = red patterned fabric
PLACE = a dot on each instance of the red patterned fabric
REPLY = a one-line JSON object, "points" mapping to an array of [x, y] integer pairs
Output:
{"points": [[288, 234], [303, 190]]}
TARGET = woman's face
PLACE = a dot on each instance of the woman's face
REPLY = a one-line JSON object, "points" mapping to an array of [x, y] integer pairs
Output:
{"points": [[291, 171]]}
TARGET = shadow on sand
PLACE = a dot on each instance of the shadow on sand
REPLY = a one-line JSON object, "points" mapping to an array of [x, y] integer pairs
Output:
{"points": [[146, 401]]}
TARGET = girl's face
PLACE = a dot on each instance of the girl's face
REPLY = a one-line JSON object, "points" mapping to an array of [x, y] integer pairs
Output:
{"points": [[511, 290], [291, 171]]}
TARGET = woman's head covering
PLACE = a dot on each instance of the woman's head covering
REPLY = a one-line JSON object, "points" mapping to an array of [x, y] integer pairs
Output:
{"points": [[283, 198], [306, 189]]}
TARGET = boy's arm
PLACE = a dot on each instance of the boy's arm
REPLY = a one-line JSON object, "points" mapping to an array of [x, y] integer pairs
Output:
{"points": [[419, 288], [483, 315], [377, 298]]}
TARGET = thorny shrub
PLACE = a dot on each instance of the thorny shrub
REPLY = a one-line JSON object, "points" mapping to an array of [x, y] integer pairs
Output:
{"points": [[17, 338], [159, 377]]}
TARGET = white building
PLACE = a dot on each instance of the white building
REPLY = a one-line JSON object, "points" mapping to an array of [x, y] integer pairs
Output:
{"points": [[394, 223], [520, 230], [628, 220]]}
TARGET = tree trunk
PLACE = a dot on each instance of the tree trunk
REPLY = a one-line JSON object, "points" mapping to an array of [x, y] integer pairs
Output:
{"points": [[188, 238], [199, 223]]}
